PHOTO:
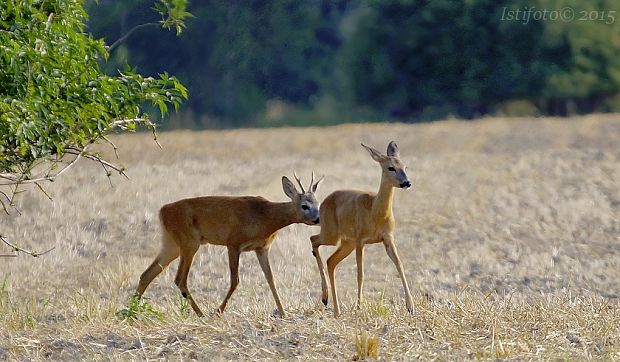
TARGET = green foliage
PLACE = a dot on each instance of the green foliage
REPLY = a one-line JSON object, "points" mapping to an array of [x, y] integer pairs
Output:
{"points": [[412, 57], [184, 307], [378, 59], [428, 59], [380, 308], [585, 54], [236, 56], [138, 308], [172, 14], [53, 95]]}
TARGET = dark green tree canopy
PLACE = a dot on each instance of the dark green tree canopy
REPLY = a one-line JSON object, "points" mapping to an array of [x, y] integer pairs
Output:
{"points": [[390, 59], [431, 58]]}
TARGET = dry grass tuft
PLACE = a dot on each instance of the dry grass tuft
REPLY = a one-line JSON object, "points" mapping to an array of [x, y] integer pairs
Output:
{"points": [[366, 346], [509, 238]]}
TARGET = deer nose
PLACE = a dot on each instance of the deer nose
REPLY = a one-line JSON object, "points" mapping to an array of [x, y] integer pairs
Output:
{"points": [[405, 184]]}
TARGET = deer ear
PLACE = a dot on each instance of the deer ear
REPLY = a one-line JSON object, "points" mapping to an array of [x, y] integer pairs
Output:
{"points": [[376, 155], [289, 188], [392, 150]]}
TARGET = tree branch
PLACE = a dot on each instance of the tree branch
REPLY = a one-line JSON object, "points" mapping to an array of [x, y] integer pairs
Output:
{"points": [[15, 180], [127, 34], [17, 249], [8, 199], [122, 123], [104, 163], [43, 191], [113, 146]]}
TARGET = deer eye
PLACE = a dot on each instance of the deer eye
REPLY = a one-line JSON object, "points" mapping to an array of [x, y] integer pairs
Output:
{"points": [[391, 169], [304, 207]]}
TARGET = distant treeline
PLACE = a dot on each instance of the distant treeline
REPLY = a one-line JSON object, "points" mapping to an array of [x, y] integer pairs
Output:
{"points": [[276, 62]]}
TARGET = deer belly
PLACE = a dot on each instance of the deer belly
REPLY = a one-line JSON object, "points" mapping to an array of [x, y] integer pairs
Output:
{"points": [[252, 245], [367, 234], [374, 240]]}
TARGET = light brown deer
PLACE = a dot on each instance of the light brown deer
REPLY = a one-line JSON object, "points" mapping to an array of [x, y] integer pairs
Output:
{"points": [[353, 219], [240, 223]]}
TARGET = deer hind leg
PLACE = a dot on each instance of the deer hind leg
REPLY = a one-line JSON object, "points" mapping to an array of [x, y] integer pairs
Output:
{"points": [[263, 259], [359, 256], [233, 263], [390, 248], [169, 251], [185, 263], [342, 252]]}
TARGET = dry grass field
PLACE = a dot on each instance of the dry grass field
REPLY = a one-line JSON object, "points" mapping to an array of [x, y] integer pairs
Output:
{"points": [[510, 239]]}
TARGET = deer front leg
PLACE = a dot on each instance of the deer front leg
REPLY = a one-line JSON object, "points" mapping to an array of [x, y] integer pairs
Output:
{"points": [[233, 263], [342, 252], [263, 259], [315, 239], [185, 263], [359, 256], [390, 248]]}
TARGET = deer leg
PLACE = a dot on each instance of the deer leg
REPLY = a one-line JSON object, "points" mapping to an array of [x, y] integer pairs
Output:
{"points": [[167, 254], [359, 256], [393, 254], [185, 263], [319, 262], [263, 259], [233, 263], [342, 252]]}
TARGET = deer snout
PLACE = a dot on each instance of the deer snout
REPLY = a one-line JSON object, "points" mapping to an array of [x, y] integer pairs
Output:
{"points": [[405, 184], [312, 216], [315, 217]]}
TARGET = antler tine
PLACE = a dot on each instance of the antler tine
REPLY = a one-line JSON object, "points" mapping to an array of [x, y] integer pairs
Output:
{"points": [[320, 179], [299, 182], [313, 184]]}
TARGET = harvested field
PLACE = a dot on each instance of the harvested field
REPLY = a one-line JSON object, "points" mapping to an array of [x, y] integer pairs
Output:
{"points": [[510, 238]]}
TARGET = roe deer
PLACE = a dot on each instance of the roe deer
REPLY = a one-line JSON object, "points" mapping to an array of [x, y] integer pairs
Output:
{"points": [[240, 223], [353, 219]]}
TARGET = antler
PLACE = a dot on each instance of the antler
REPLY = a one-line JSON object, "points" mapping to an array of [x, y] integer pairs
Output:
{"points": [[299, 182], [312, 183], [312, 187]]}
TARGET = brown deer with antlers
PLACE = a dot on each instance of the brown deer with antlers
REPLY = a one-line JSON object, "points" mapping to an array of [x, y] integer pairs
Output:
{"points": [[353, 219], [239, 223]]}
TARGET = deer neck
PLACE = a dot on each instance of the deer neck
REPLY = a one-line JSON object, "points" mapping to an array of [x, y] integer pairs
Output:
{"points": [[382, 204], [281, 214]]}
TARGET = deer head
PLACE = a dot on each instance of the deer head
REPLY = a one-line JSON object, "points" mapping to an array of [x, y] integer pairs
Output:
{"points": [[306, 205], [391, 164]]}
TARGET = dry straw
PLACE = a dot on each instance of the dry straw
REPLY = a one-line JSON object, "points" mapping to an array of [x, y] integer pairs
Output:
{"points": [[509, 238]]}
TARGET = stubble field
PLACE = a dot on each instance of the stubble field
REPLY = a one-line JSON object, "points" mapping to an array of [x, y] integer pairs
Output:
{"points": [[510, 239]]}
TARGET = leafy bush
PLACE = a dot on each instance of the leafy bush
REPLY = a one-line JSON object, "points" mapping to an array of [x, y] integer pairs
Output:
{"points": [[55, 100]]}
